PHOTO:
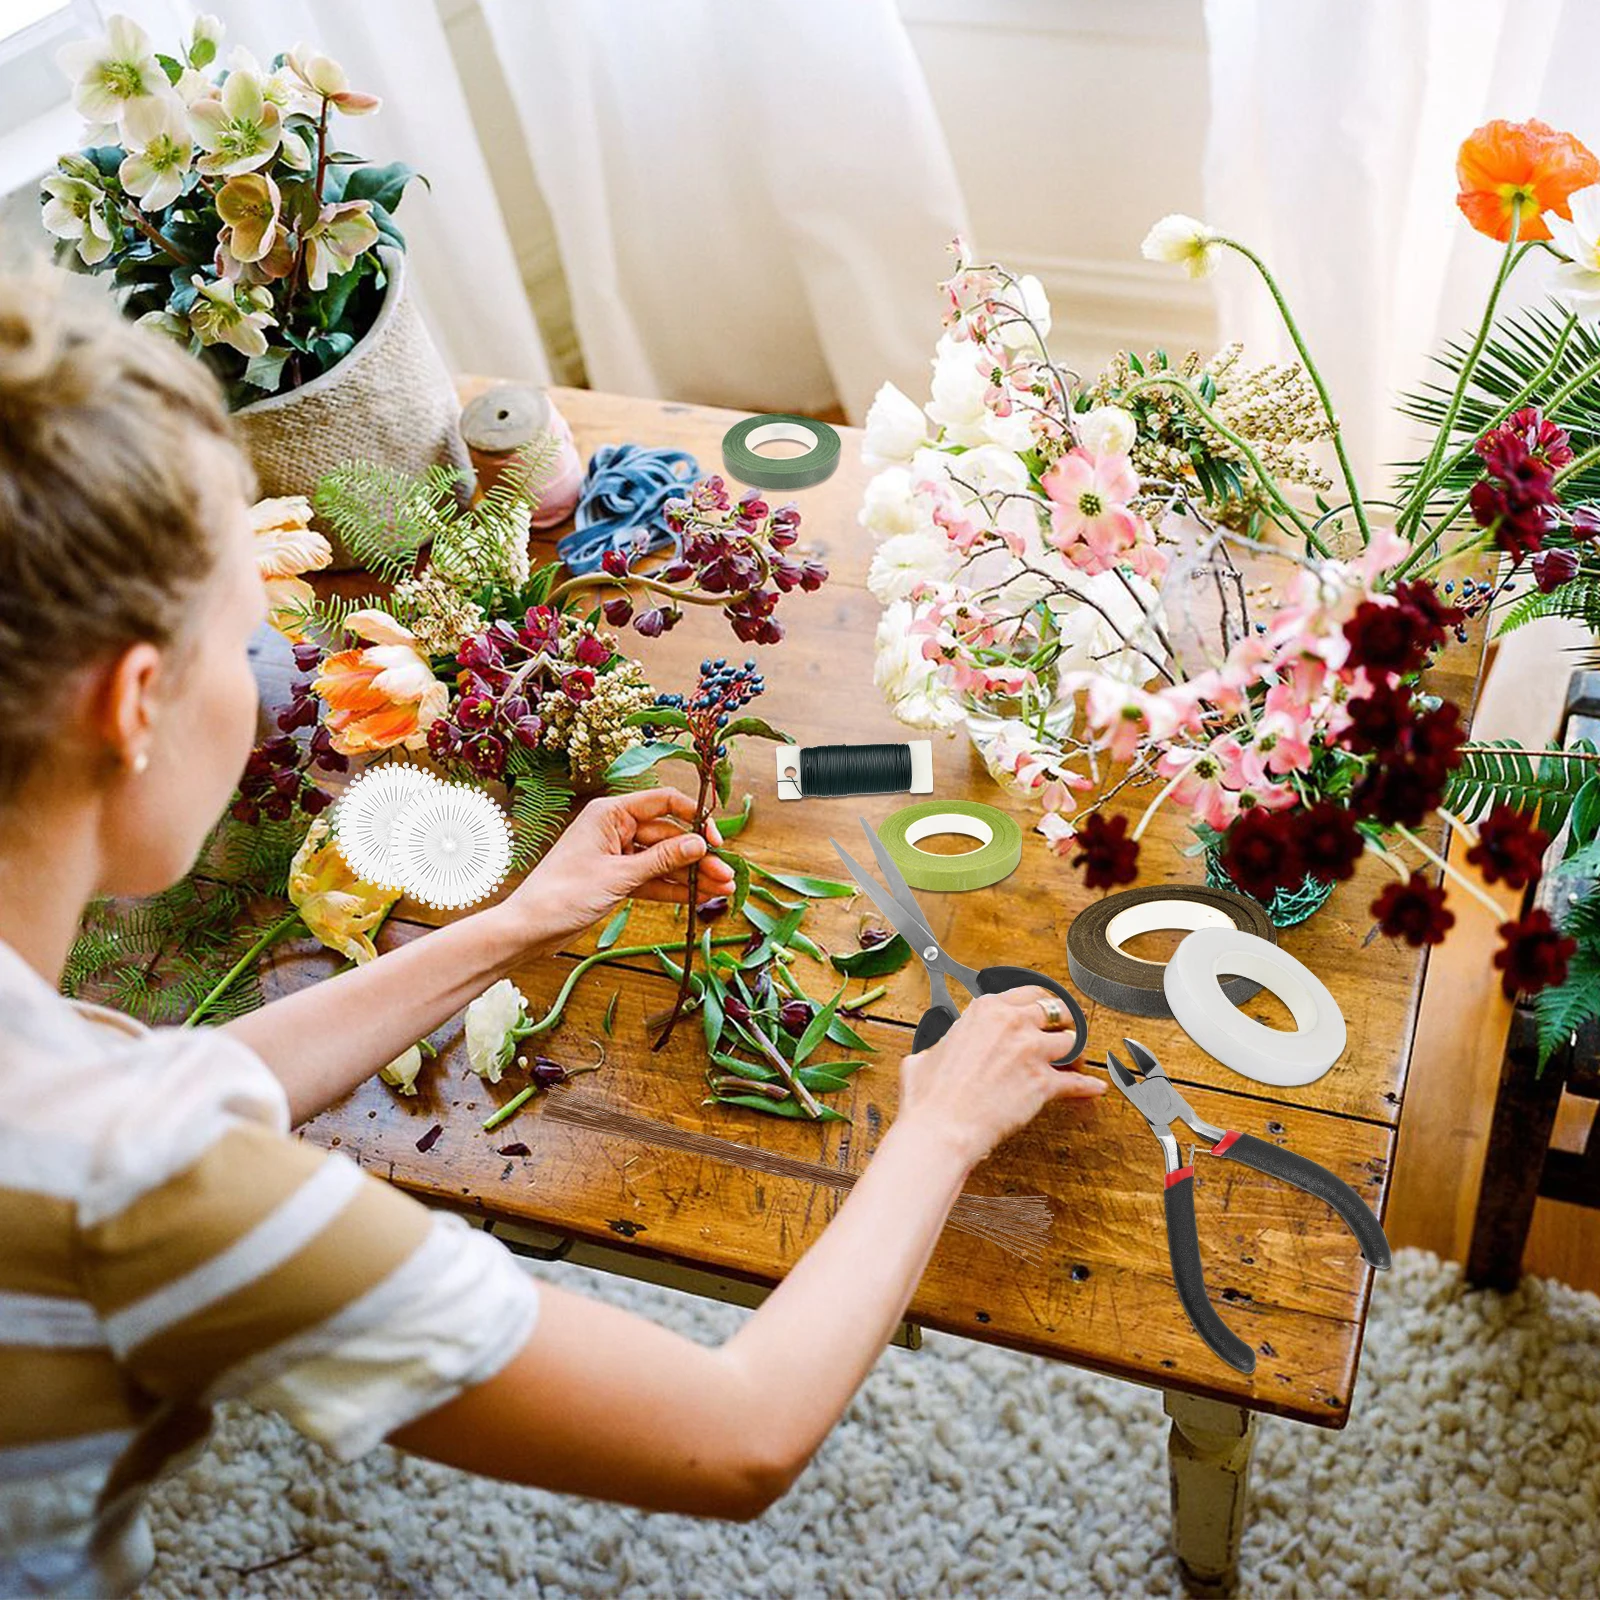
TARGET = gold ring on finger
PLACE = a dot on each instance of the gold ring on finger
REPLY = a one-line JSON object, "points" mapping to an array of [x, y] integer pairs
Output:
{"points": [[1055, 1014]]}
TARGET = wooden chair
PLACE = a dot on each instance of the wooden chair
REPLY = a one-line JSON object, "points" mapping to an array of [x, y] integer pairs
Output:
{"points": [[1519, 1166]]}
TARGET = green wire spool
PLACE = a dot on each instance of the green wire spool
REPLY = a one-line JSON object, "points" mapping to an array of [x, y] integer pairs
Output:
{"points": [[742, 442]]}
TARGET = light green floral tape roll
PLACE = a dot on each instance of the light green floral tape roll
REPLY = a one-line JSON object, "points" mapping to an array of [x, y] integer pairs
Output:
{"points": [[742, 442], [998, 854]]}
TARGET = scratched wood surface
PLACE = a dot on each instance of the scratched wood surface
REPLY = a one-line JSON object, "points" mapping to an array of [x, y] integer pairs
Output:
{"points": [[1280, 1266]]}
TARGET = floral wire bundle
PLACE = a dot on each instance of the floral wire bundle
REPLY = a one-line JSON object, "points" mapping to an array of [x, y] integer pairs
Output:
{"points": [[223, 204], [1059, 567]]}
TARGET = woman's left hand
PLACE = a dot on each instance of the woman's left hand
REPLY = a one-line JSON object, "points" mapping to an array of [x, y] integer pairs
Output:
{"points": [[623, 845]]}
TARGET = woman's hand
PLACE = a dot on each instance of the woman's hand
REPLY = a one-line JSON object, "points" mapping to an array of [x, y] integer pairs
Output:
{"points": [[624, 845], [990, 1074]]}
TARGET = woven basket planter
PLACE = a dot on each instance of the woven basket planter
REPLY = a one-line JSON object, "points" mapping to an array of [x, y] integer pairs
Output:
{"points": [[390, 400]]}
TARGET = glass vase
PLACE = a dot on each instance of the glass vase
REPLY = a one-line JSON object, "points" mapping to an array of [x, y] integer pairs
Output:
{"points": [[1001, 726]]}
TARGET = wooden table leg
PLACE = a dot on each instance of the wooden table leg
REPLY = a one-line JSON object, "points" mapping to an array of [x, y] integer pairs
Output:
{"points": [[1208, 1456]]}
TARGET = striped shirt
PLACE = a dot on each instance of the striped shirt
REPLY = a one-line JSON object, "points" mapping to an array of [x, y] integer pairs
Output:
{"points": [[164, 1245]]}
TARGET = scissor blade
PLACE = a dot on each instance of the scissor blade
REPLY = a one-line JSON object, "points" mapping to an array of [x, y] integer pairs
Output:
{"points": [[898, 887], [911, 928]]}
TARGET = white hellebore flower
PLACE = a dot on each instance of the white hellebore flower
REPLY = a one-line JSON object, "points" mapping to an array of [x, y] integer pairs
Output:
{"points": [[112, 71], [1577, 279], [1028, 296], [496, 1020], [402, 1071], [160, 149], [887, 507], [240, 130], [224, 313], [1106, 431], [326, 79], [77, 209], [901, 563], [909, 682], [895, 428], [1184, 242]]}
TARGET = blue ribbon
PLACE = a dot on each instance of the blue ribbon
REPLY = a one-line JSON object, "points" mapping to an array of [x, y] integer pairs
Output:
{"points": [[623, 495]]}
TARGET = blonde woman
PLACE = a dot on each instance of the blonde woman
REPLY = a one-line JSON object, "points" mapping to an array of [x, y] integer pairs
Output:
{"points": [[164, 1242]]}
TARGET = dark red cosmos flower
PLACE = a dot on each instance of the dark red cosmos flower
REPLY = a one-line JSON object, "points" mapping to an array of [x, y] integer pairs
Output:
{"points": [[1414, 911], [1377, 719], [1434, 738], [1384, 638], [1261, 852], [1400, 793], [1510, 848], [1534, 956], [1429, 612], [1329, 842], [1538, 437], [1552, 568], [1105, 851]]}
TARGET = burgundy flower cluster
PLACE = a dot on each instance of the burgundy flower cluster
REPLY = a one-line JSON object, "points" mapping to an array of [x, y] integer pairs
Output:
{"points": [[1516, 499], [506, 671], [735, 552], [276, 778]]}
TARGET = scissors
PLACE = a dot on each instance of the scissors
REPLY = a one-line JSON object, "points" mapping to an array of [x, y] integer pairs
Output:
{"points": [[1157, 1100], [900, 906]]}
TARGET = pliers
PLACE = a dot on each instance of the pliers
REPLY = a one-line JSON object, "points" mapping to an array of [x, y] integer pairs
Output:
{"points": [[1158, 1101]]}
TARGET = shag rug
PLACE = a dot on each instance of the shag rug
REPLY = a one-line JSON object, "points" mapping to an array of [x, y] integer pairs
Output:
{"points": [[1471, 1466]]}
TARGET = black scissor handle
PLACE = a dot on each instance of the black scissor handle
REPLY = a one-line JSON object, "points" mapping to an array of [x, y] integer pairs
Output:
{"points": [[935, 1024], [1183, 1244], [1287, 1167], [996, 980]]}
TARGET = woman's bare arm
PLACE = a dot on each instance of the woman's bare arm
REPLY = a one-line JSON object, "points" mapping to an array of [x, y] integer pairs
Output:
{"points": [[606, 1404]]}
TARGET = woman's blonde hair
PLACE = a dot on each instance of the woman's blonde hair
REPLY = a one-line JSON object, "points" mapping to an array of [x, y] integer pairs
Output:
{"points": [[102, 542]]}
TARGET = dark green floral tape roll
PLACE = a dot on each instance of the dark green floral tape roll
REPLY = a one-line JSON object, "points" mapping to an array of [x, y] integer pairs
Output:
{"points": [[997, 856], [742, 442]]}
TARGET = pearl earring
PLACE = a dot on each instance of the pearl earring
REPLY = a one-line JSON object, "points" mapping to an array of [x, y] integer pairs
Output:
{"points": [[141, 761]]}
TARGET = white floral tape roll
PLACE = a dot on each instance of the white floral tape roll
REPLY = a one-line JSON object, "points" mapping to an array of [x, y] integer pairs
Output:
{"points": [[1193, 985]]}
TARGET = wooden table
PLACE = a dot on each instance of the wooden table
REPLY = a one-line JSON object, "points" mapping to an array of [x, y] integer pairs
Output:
{"points": [[1282, 1268]]}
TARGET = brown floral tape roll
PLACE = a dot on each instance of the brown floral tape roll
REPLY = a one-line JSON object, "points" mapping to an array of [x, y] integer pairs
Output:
{"points": [[1104, 971]]}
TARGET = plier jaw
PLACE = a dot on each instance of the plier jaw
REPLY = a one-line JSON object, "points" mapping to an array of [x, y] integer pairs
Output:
{"points": [[1156, 1098]]}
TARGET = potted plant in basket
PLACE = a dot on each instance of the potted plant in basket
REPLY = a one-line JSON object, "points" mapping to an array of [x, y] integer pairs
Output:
{"points": [[227, 212]]}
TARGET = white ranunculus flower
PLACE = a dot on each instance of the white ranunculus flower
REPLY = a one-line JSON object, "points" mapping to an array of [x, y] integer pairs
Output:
{"points": [[901, 563], [496, 1020], [402, 1071], [887, 507], [1184, 242], [909, 682], [1106, 431], [896, 426], [1577, 279], [1017, 335], [959, 385], [1092, 643]]}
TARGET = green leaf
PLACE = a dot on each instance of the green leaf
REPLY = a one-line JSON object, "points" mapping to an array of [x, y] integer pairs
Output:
{"points": [[609, 1020], [757, 1071], [1563, 1010], [840, 1032], [820, 1082], [265, 371], [171, 66], [779, 1108], [613, 929], [777, 934], [712, 1013], [672, 968], [754, 728], [887, 957], [1584, 862], [741, 879], [201, 54], [817, 1028], [722, 777], [814, 888], [1585, 816], [656, 717], [732, 827], [642, 757], [760, 920], [384, 186]]}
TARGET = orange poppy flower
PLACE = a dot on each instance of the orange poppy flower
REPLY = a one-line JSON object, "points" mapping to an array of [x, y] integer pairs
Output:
{"points": [[382, 695], [1521, 168]]}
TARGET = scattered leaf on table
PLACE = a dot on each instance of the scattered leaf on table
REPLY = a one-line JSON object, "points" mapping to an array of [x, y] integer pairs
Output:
{"points": [[732, 826], [877, 962], [779, 1108], [613, 929], [767, 924], [518, 1149], [611, 1012], [818, 1027], [840, 1032], [812, 888]]}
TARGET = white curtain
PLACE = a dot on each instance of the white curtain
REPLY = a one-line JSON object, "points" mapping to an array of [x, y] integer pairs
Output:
{"points": [[461, 263], [751, 201], [1333, 137]]}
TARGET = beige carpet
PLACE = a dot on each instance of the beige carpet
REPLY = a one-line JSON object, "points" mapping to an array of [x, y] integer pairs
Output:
{"points": [[1472, 1466]]}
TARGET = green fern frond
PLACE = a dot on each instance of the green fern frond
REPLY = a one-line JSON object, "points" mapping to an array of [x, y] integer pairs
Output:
{"points": [[384, 516], [1563, 1010], [1504, 772], [327, 616], [1517, 350], [541, 797], [1578, 599]]}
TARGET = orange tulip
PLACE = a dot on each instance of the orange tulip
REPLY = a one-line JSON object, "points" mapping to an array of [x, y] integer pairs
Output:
{"points": [[382, 695], [1520, 169]]}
